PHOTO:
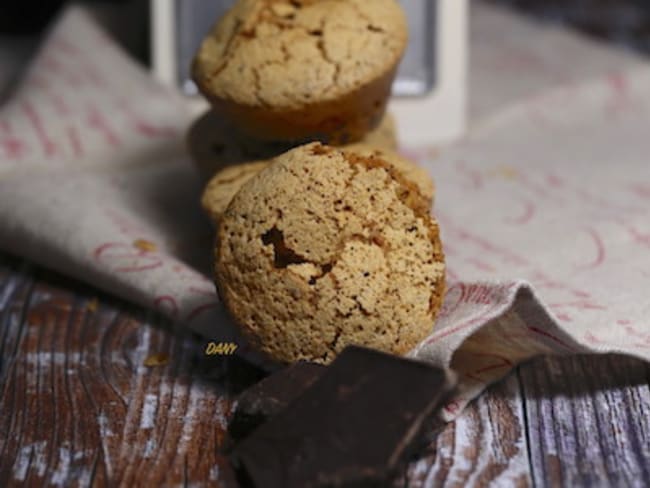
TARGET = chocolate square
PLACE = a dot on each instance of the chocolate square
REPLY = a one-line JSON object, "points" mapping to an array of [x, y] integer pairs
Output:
{"points": [[354, 426]]}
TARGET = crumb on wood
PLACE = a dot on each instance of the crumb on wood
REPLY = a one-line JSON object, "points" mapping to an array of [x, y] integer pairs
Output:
{"points": [[92, 305], [159, 359]]}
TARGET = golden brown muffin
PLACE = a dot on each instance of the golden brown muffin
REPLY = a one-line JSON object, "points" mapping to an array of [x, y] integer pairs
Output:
{"points": [[214, 143], [223, 186], [296, 70], [325, 248], [411, 170], [226, 183]]}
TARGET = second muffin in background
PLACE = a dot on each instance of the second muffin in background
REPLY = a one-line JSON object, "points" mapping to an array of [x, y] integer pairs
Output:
{"points": [[215, 144], [296, 70]]}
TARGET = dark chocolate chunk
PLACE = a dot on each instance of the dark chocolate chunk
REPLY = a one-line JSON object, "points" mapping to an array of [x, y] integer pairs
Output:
{"points": [[354, 426], [270, 396]]}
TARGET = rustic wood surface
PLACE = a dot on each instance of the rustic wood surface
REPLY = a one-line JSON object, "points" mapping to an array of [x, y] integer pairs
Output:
{"points": [[78, 407]]}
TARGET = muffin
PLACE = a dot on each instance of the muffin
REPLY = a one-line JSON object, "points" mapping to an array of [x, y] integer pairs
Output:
{"points": [[223, 186], [412, 171], [326, 248], [297, 70], [214, 143]]}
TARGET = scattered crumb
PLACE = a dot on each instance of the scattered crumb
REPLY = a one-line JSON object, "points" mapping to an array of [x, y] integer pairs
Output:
{"points": [[506, 172], [145, 245], [159, 359], [92, 305]]}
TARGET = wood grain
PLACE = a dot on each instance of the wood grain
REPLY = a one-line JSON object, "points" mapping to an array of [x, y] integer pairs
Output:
{"points": [[79, 408], [588, 421], [486, 445], [77, 404]]}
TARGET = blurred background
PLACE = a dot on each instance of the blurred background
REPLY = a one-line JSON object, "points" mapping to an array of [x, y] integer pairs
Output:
{"points": [[625, 23]]}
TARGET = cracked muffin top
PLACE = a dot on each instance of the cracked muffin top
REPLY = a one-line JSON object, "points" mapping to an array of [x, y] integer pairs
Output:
{"points": [[303, 70], [225, 184], [286, 53], [326, 248]]}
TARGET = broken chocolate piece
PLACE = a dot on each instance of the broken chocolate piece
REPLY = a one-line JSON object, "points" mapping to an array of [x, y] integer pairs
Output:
{"points": [[270, 396], [354, 426]]}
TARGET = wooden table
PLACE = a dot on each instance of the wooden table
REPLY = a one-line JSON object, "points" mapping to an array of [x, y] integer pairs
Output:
{"points": [[78, 407]]}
